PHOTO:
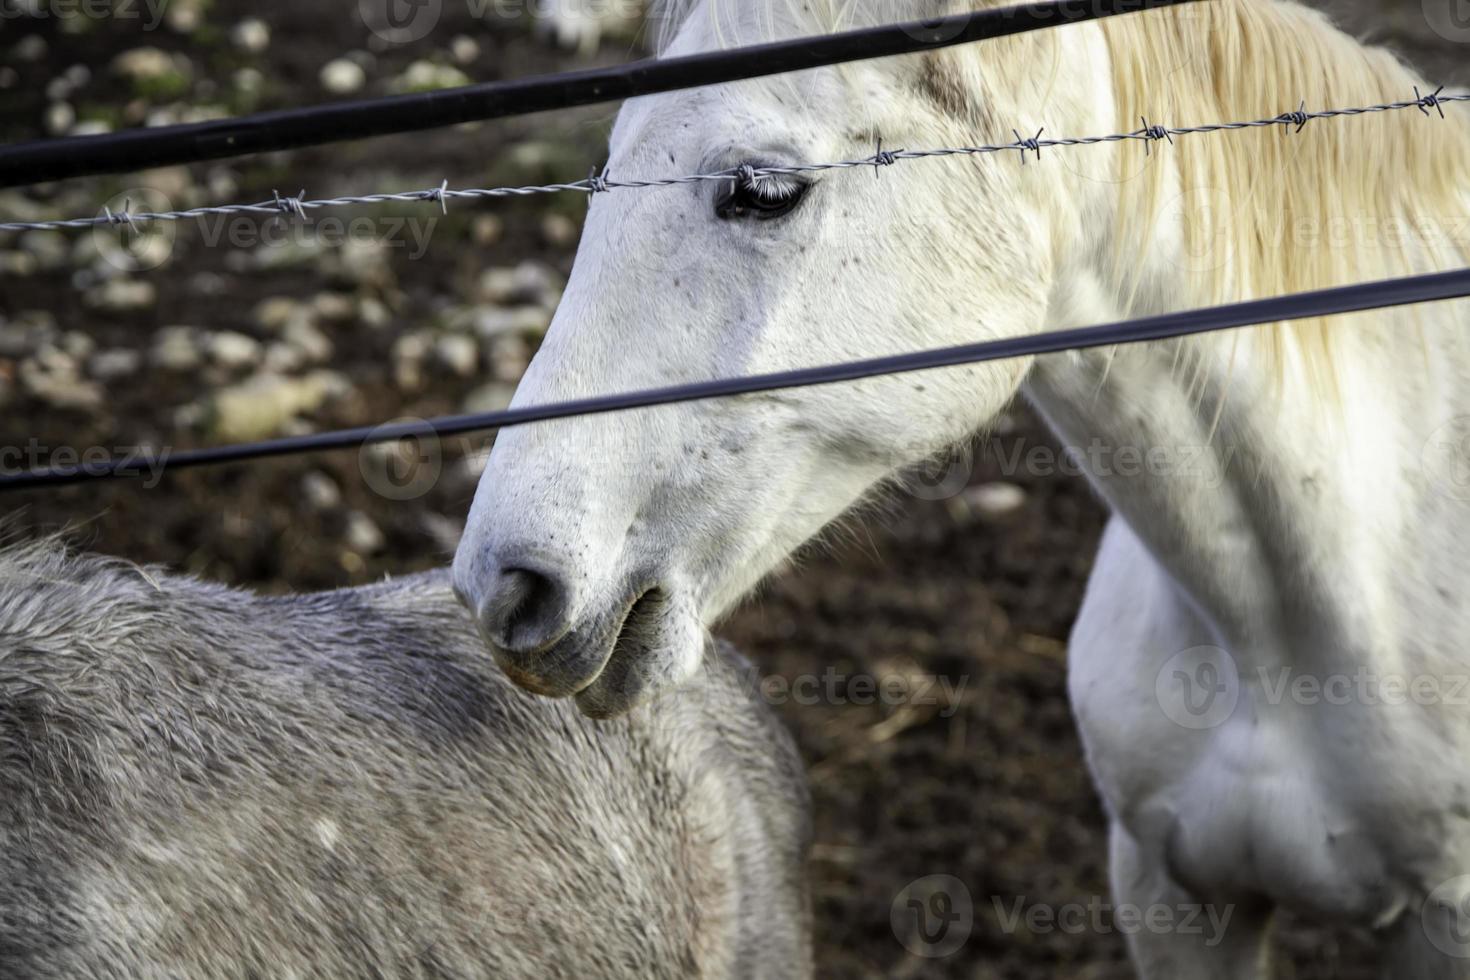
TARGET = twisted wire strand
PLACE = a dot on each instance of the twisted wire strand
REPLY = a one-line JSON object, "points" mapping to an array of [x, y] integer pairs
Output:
{"points": [[1294, 121]]}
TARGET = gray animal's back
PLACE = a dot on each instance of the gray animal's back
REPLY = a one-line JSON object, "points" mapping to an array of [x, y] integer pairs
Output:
{"points": [[197, 782]]}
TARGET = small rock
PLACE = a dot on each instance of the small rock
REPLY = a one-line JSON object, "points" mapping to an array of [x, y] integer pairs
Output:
{"points": [[509, 358], [314, 345], [342, 77], [459, 353], [49, 248], [208, 284], [527, 321], [464, 49], [59, 118], [299, 249], [332, 307], [193, 416], [121, 296], [185, 16], [362, 535], [490, 397], [407, 356], [559, 230], [133, 253], [169, 183], [114, 364], [59, 89], [444, 532], [373, 313], [282, 358], [426, 76], [91, 127], [144, 64], [497, 285], [991, 501], [320, 491], [529, 282], [26, 334], [232, 350], [17, 264], [251, 35], [52, 377], [32, 47], [55, 360], [486, 229], [77, 345], [473, 465], [364, 262], [264, 403], [248, 82], [176, 349], [274, 312], [221, 183]]}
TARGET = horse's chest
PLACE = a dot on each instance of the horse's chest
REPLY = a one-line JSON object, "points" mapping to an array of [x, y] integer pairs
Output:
{"points": [[1241, 781]]}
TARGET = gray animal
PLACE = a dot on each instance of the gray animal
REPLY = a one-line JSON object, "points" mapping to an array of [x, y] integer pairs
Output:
{"points": [[200, 782]]}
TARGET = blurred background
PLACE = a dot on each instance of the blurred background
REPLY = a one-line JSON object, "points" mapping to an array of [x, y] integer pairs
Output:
{"points": [[242, 328]]}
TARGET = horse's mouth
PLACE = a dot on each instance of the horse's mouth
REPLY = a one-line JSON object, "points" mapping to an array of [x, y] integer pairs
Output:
{"points": [[649, 644], [614, 665]]}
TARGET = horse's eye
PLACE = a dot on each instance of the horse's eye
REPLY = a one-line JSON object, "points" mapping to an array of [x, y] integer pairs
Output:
{"points": [[764, 197]]}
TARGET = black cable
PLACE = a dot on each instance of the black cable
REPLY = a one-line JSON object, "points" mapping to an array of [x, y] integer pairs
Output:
{"points": [[37, 161], [1296, 306]]}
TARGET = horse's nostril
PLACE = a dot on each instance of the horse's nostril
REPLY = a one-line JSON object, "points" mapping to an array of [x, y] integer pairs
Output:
{"points": [[527, 612]]}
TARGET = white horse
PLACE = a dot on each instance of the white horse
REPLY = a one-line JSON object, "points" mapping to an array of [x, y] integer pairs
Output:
{"points": [[1288, 508]]}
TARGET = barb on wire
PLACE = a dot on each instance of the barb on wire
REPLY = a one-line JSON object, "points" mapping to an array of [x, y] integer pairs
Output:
{"points": [[1032, 143], [1387, 293], [1152, 134], [598, 183]]}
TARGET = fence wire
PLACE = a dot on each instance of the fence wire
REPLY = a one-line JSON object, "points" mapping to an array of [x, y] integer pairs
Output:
{"points": [[1293, 121], [1326, 302], [37, 161]]}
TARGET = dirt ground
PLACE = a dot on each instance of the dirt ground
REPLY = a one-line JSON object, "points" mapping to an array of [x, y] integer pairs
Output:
{"points": [[978, 588]]}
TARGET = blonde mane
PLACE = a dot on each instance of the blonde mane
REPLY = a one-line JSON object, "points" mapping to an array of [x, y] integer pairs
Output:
{"points": [[1264, 211], [1269, 211]]}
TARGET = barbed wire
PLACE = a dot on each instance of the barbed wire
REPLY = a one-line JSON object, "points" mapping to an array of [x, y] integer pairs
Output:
{"points": [[41, 161], [1294, 120]]}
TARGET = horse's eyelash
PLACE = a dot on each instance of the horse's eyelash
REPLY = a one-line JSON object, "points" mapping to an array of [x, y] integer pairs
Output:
{"points": [[773, 187]]}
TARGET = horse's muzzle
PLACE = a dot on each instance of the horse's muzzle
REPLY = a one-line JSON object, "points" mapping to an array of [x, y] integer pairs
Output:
{"points": [[611, 662]]}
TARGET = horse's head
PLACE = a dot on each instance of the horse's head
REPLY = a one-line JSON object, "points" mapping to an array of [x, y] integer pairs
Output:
{"points": [[599, 547]]}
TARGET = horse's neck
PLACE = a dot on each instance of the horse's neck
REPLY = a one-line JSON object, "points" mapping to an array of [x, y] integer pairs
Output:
{"points": [[1288, 519]]}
